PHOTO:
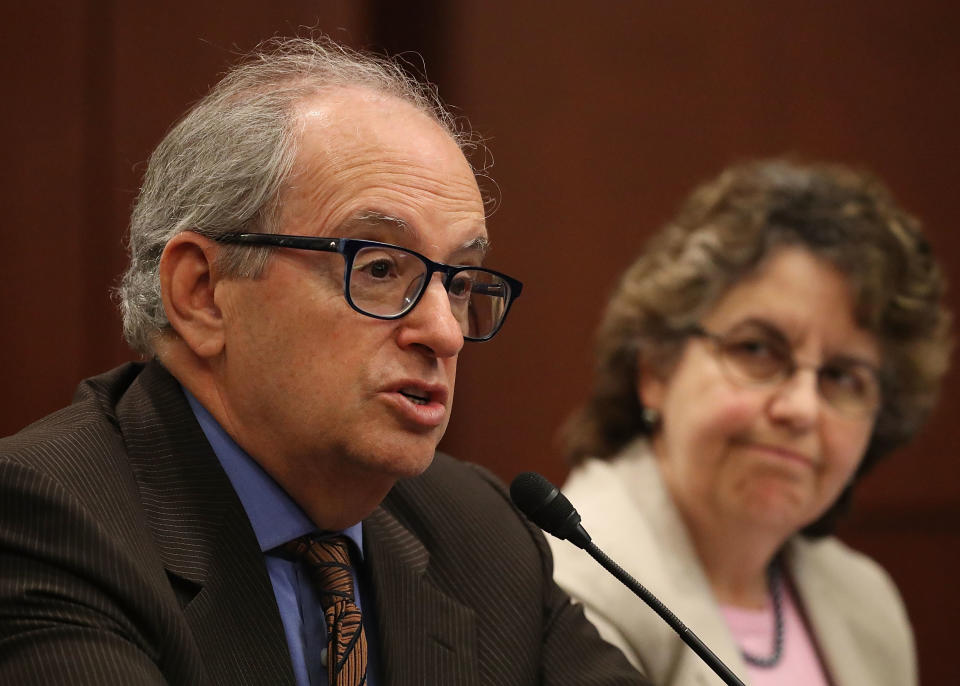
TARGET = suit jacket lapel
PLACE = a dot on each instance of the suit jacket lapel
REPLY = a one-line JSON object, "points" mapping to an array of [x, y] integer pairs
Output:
{"points": [[204, 538], [426, 637]]}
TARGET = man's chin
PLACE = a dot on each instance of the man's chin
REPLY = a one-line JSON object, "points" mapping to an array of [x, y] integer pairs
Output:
{"points": [[411, 466], [401, 460]]}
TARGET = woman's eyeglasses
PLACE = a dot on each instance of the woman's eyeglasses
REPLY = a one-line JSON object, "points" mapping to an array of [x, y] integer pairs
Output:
{"points": [[754, 355]]}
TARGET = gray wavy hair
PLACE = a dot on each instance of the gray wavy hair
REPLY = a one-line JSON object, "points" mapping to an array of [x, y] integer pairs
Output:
{"points": [[222, 167]]}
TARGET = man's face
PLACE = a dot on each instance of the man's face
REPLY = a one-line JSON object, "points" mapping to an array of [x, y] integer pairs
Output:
{"points": [[310, 386]]}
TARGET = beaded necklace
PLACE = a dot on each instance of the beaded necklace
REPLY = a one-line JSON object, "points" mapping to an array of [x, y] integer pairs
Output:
{"points": [[776, 593]]}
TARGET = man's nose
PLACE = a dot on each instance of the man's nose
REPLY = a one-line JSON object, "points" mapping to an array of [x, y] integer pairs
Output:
{"points": [[431, 324]]}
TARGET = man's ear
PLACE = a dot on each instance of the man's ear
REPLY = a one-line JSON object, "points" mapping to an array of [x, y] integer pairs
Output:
{"points": [[187, 282]]}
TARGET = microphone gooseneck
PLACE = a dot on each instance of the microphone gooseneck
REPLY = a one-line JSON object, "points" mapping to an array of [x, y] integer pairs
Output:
{"points": [[544, 505]]}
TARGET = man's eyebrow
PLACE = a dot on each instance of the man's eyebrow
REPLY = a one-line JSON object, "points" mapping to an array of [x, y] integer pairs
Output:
{"points": [[371, 219], [480, 244]]}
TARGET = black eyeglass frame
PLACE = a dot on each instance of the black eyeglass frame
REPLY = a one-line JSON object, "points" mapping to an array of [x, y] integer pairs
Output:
{"points": [[349, 247], [719, 340]]}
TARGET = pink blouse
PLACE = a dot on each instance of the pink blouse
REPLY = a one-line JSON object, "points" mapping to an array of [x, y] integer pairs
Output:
{"points": [[753, 631]]}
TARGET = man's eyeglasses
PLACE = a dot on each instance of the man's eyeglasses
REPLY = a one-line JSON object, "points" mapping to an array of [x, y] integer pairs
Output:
{"points": [[754, 355], [386, 281]]}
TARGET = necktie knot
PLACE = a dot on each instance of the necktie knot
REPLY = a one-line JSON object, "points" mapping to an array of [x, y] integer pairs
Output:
{"points": [[328, 565]]}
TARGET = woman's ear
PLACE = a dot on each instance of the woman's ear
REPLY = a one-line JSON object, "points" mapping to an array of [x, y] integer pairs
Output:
{"points": [[651, 382], [188, 281]]}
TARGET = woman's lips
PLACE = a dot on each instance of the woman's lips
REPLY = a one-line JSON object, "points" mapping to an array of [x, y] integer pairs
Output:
{"points": [[780, 452]]}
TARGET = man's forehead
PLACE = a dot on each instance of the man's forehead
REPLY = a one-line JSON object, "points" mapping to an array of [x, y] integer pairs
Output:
{"points": [[358, 109], [359, 124], [371, 160]]}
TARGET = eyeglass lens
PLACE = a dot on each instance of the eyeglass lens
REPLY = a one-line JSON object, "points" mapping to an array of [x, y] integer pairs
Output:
{"points": [[386, 282], [757, 357]]}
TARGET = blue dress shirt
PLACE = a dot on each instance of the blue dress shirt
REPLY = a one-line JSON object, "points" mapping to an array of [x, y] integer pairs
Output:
{"points": [[276, 519]]}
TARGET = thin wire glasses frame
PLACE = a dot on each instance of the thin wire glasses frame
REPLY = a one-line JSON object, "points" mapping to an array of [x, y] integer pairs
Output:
{"points": [[852, 387], [480, 287]]}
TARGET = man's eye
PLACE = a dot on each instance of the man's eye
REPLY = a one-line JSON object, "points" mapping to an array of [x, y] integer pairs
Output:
{"points": [[461, 286], [379, 268]]}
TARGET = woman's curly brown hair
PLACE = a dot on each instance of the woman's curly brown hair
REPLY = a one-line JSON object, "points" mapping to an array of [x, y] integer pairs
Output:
{"points": [[724, 230]]}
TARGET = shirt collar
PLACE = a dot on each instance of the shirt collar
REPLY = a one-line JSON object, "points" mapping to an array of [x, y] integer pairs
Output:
{"points": [[273, 514]]}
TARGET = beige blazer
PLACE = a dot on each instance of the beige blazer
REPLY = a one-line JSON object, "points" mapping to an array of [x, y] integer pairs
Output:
{"points": [[857, 617]]}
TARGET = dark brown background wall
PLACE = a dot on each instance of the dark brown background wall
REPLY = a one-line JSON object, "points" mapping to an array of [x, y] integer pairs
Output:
{"points": [[600, 116]]}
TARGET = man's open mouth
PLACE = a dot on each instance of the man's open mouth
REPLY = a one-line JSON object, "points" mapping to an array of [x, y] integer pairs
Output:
{"points": [[415, 395]]}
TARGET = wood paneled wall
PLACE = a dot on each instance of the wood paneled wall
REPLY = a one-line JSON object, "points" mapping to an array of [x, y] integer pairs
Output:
{"points": [[600, 118]]}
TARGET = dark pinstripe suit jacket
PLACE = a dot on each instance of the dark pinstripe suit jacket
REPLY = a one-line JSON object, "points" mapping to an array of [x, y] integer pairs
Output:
{"points": [[127, 558]]}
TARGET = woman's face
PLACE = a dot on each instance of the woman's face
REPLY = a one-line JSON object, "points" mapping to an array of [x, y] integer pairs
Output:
{"points": [[771, 456]]}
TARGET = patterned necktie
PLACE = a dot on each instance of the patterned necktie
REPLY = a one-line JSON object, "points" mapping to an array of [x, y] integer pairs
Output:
{"points": [[328, 565]]}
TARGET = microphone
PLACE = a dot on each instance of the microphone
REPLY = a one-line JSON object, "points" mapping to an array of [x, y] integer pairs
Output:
{"points": [[544, 505], [548, 508]]}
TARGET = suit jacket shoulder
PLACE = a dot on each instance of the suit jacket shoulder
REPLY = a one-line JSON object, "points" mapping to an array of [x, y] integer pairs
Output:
{"points": [[451, 541], [127, 557]]}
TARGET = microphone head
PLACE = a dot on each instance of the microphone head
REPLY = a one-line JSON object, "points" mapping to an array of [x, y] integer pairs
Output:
{"points": [[544, 505], [529, 491]]}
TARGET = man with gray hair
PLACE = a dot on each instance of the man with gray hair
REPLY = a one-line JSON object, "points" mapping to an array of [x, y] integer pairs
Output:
{"points": [[261, 502]]}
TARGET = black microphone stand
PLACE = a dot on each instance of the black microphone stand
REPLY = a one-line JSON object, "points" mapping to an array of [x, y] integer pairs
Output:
{"points": [[690, 638]]}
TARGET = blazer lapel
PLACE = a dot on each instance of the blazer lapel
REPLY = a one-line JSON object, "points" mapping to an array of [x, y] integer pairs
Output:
{"points": [[686, 591], [205, 540], [425, 636], [829, 630], [664, 553]]}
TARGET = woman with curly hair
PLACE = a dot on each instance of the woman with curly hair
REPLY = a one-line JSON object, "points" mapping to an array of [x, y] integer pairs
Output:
{"points": [[778, 338]]}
